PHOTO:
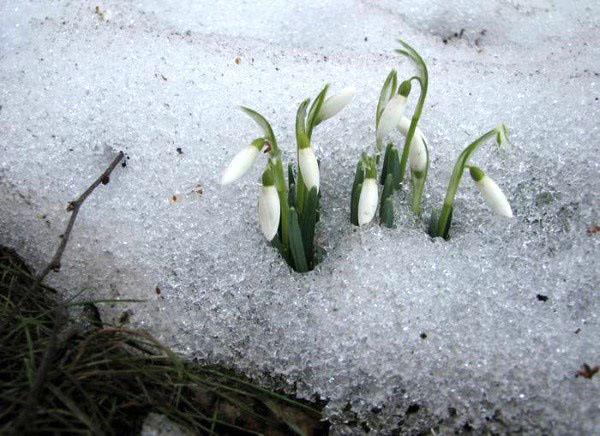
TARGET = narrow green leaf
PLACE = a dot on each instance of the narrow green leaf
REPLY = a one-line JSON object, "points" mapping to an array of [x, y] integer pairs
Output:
{"points": [[296, 246], [313, 113], [309, 220], [292, 196], [355, 194], [302, 137], [291, 179], [388, 187], [446, 233], [385, 167], [300, 192], [387, 91], [394, 167], [433, 223], [386, 194], [387, 213], [264, 125]]}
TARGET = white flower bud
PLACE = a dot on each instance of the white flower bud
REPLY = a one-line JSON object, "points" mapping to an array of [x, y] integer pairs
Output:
{"points": [[367, 202], [391, 115], [491, 193], [240, 164], [336, 103], [309, 167], [269, 211], [417, 156]]}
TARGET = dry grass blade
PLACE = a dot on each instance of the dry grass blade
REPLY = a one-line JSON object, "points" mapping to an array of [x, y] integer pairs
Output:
{"points": [[104, 379]]}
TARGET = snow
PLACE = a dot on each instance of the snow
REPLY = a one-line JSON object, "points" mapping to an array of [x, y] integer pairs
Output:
{"points": [[390, 319]]}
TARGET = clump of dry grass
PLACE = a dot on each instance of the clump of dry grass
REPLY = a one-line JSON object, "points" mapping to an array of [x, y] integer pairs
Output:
{"points": [[105, 380]]}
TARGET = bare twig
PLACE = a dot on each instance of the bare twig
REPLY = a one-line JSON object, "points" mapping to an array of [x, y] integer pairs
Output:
{"points": [[60, 316], [74, 207]]}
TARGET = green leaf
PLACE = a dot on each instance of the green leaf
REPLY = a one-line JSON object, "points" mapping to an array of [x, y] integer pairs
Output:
{"points": [[433, 223], [302, 138], [264, 125], [296, 246], [385, 167], [300, 192], [387, 91], [309, 220], [292, 195], [394, 167], [387, 213], [446, 232], [388, 187], [386, 194], [313, 113], [355, 194], [291, 180]]}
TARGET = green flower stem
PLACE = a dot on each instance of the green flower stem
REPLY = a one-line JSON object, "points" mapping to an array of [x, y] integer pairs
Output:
{"points": [[457, 173], [423, 79]]}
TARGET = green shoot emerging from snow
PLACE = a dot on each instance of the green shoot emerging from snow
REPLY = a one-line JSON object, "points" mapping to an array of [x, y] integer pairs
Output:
{"points": [[440, 222], [389, 116], [288, 208]]}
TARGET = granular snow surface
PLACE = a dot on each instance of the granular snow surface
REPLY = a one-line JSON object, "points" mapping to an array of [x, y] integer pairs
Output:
{"points": [[486, 331]]}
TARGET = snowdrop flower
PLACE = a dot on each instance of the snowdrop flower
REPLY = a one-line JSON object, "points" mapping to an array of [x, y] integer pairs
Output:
{"points": [[309, 167], [242, 161], [269, 210], [336, 103], [417, 156], [491, 193], [391, 115], [369, 196]]}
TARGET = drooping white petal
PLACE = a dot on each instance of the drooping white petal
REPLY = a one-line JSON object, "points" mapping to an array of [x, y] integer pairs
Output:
{"points": [[417, 156], [269, 211], [240, 164], [309, 167], [391, 115], [367, 202], [494, 196], [336, 103]]}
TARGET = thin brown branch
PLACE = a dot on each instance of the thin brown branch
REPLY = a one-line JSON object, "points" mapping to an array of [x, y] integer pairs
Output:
{"points": [[74, 207], [60, 315]]}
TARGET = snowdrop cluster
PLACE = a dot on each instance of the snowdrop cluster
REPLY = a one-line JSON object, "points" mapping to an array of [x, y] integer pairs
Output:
{"points": [[289, 201], [439, 224], [288, 207], [389, 117]]}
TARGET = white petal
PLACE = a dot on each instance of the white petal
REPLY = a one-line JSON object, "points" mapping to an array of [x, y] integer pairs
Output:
{"points": [[367, 202], [240, 164], [268, 211], [336, 103], [494, 197], [391, 115], [417, 155], [309, 167]]}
